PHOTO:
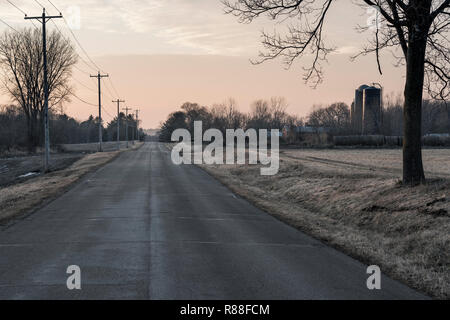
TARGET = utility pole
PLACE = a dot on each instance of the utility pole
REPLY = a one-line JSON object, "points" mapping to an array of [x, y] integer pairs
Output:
{"points": [[43, 19], [118, 122], [126, 118], [99, 77], [137, 124]]}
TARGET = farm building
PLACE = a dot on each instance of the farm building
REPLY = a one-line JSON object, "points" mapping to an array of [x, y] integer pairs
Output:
{"points": [[366, 110]]}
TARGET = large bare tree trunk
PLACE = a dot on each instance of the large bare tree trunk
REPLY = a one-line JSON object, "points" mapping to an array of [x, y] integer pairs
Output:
{"points": [[448, 118], [413, 173]]}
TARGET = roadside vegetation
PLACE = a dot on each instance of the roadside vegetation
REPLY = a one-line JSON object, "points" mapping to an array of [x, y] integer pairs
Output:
{"points": [[354, 201]]}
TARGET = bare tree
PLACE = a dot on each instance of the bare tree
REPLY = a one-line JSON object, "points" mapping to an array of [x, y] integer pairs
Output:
{"points": [[22, 65], [260, 115], [278, 106], [418, 27], [335, 117]]}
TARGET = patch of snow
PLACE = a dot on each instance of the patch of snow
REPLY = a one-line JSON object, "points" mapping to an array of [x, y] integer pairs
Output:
{"points": [[29, 174]]}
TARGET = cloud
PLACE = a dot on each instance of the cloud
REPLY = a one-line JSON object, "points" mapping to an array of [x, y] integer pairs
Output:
{"points": [[155, 26], [347, 50]]}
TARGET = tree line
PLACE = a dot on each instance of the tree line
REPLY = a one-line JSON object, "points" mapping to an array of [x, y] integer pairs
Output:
{"points": [[264, 114], [335, 118], [64, 129]]}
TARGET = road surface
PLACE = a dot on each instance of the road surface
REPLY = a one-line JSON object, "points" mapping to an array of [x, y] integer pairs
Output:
{"points": [[144, 228]]}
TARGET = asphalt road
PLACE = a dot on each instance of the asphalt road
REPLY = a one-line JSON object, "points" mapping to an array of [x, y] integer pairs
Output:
{"points": [[144, 228]]}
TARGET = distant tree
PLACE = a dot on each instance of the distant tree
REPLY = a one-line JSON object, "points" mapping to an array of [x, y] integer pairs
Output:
{"points": [[90, 130], [112, 128], [419, 28], [335, 117], [392, 124], [22, 65], [227, 116], [260, 116], [176, 120], [435, 117], [12, 127], [278, 106], [195, 112]]}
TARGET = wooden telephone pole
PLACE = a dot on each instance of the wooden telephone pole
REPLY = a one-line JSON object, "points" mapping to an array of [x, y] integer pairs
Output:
{"points": [[126, 118], [118, 121], [99, 77], [137, 124], [43, 20]]}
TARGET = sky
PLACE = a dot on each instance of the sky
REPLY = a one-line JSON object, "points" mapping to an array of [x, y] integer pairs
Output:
{"points": [[162, 53]]}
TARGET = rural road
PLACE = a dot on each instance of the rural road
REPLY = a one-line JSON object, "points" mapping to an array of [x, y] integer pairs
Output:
{"points": [[144, 228]]}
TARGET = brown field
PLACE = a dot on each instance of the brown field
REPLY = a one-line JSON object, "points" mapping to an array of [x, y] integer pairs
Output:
{"points": [[352, 200]]}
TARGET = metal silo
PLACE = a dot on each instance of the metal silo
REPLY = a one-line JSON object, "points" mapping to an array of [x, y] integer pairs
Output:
{"points": [[371, 118], [357, 112]]}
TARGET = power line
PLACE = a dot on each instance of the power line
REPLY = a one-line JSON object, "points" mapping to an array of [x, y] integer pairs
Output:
{"points": [[87, 64], [16, 7], [54, 6], [81, 70], [105, 106], [111, 95], [81, 47], [114, 88], [8, 25], [39, 3], [109, 114], [85, 52], [79, 44], [93, 90], [84, 101], [75, 66]]}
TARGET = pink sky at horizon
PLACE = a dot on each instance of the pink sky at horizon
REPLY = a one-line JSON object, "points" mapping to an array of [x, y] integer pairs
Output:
{"points": [[162, 53], [167, 81]]}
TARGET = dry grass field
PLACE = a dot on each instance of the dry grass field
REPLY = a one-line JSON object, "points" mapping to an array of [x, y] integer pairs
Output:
{"points": [[352, 200]]}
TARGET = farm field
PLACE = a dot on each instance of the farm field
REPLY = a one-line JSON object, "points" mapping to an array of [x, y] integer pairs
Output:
{"points": [[19, 169], [352, 200], [382, 161]]}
